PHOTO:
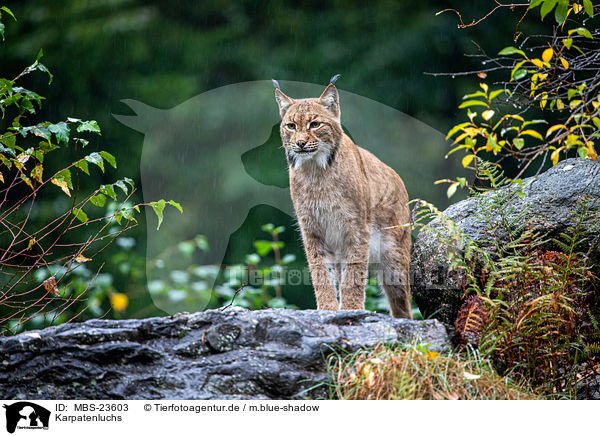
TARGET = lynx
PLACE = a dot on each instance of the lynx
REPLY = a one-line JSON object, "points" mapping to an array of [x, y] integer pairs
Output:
{"points": [[352, 209]]}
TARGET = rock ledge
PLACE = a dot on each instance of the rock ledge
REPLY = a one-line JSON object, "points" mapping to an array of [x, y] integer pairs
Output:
{"points": [[216, 354]]}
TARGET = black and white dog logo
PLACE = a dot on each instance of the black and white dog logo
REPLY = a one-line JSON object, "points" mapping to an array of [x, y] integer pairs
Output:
{"points": [[26, 415]]}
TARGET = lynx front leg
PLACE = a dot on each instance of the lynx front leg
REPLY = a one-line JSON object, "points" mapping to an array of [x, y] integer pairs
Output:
{"points": [[354, 276], [321, 278]]}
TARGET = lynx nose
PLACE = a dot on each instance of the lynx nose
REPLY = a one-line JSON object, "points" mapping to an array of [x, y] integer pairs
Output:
{"points": [[301, 143]]}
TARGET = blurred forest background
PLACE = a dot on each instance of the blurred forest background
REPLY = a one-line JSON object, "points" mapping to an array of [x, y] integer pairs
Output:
{"points": [[163, 53]]}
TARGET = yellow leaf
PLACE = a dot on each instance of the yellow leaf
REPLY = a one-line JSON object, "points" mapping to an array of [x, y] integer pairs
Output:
{"points": [[36, 173], [119, 301], [554, 156], [30, 244], [555, 128], [532, 133], [577, 8], [452, 189], [62, 184], [564, 63], [27, 180], [484, 87], [432, 354], [82, 259], [559, 104], [574, 103], [538, 63], [1, 178], [596, 105], [547, 55], [516, 117], [467, 160], [487, 114], [591, 152]]}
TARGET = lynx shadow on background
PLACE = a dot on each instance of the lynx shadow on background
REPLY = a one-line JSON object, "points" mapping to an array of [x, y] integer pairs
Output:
{"points": [[193, 153]]}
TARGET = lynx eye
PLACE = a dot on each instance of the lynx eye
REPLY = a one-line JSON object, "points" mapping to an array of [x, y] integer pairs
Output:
{"points": [[315, 125], [290, 126]]}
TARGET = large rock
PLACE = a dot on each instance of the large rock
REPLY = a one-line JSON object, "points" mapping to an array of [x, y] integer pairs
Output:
{"points": [[551, 201], [234, 353]]}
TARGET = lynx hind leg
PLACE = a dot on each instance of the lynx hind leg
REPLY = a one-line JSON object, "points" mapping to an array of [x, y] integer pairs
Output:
{"points": [[393, 270]]}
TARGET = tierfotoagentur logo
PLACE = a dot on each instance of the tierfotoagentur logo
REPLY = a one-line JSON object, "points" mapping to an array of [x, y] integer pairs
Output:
{"points": [[196, 153], [25, 415]]}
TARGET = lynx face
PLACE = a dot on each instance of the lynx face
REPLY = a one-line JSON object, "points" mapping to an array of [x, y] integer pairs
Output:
{"points": [[310, 128]]}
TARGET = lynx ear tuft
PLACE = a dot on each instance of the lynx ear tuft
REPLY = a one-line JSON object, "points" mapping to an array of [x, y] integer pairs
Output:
{"points": [[330, 99], [334, 79], [283, 101]]}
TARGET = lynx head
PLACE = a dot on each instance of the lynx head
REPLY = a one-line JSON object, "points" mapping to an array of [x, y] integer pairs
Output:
{"points": [[310, 128]]}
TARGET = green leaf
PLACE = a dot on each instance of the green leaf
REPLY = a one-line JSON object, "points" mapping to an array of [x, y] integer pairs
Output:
{"points": [[267, 227], [9, 141], [581, 31], [60, 131], [547, 7], [589, 8], [567, 42], [41, 131], [263, 247], [39, 55], [158, 207], [288, 258], [98, 200], [109, 158], [496, 93], [9, 12], [469, 103], [519, 143], [560, 14], [474, 94], [83, 166], [535, 3], [202, 243], [506, 51], [82, 141], [88, 126], [96, 159], [129, 181], [108, 190], [122, 185], [252, 259], [2, 30], [80, 215], [455, 129], [118, 217], [176, 205], [519, 74], [66, 176], [528, 123]]}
